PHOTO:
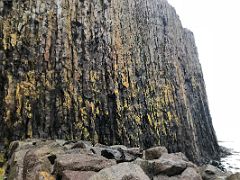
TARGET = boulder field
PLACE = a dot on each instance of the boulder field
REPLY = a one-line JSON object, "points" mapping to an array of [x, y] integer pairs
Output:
{"points": [[36, 159]]}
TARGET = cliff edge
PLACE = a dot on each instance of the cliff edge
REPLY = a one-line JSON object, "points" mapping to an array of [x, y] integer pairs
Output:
{"points": [[109, 71]]}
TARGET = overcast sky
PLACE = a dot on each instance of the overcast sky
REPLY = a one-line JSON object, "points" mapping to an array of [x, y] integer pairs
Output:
{"points": [[216, 26]]}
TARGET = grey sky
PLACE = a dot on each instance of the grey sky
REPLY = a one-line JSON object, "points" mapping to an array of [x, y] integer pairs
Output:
{"points": [[216, 27]]}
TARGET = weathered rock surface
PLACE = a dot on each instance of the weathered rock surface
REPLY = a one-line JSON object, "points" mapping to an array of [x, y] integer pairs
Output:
{"points": [[154, 153], [114, 72], [188, 174], [40, 159], [122, 171], [210, 172], [169, 164], [38, 152], [234, 177], [81, 162], [77, 175]]}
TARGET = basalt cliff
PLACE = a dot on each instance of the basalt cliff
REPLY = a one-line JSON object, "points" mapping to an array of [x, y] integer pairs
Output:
{"points": [[106, 71]]}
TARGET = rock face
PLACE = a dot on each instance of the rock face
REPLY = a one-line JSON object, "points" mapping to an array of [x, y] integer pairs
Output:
{"points": [[114, 72]]}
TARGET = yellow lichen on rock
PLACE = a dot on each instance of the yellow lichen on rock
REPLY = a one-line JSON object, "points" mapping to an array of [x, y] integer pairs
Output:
{"points": [[2, 159], [2, 169], [2, 173], [13, 39], [43, 175]]}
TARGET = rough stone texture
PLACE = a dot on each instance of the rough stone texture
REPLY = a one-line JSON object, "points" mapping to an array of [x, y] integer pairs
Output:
{"points": [[234, 177], [123, 171], [40, 159], [154, 153], [190, 174], [81, 162], [169, 164], [210, 172], [118, 154], [114, 72], [77, 175]]}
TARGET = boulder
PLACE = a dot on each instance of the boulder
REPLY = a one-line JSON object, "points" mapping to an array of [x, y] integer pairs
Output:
{"points": [[77, 175], [16, 153], [40, 159], [28, 158], [100, 145], [190, 174], [210, 172], [127, 156], [79, 151], [165, 177], [234, 177], [137, 152], [122, 171], [97, 150], [15, 164], [20, 145], [148, 167], [119, 147], [112, 154], [120, 155], [82, 145], [169, 164], [154, 153], [42, 175], [81, 162], [76, 144]]}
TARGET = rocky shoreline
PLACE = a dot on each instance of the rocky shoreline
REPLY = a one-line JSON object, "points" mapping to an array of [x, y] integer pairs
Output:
{"points": [[36, 159], [230, 156]]}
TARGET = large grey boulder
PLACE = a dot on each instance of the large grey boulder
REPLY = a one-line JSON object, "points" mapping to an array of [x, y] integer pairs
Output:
{"points": [[31, 156], [81, 162], [210, 172], [122, 171], [165, 177], [112, 154], [154, 153], [77, 175], [190, 174], [169, 164], [40, 159], [235, 176]]}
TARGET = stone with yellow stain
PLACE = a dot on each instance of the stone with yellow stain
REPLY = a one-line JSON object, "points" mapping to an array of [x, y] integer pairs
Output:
{"points": [[43, 175]]}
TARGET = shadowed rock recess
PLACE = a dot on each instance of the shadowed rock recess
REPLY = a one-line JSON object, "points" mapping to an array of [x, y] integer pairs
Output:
{"points": [[109, 71]]}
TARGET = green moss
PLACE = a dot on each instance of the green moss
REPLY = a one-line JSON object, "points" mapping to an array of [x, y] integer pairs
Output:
{"points": [[2, 159], [2, 173]]}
